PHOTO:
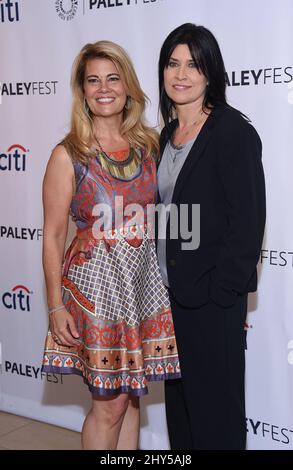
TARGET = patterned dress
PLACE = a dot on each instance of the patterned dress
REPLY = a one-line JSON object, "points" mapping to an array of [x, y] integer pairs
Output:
{"points": [[113, 288]]}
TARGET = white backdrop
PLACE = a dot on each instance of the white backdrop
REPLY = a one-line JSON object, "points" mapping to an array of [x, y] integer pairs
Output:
{"points": [[38, 42]]}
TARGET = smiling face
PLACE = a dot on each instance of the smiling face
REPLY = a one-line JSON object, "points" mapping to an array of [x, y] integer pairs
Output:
{"points": [[183, 83], [104, 90]]}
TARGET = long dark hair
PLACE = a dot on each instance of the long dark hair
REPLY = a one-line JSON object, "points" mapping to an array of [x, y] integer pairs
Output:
{"points": [[208, 60]]}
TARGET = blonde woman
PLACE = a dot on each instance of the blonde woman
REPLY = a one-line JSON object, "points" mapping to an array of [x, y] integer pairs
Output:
{"points": [[109, 312]]}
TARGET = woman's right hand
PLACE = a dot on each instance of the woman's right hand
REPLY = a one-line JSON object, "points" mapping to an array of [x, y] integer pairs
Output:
{"points": [[63, 328], [58, 188]]}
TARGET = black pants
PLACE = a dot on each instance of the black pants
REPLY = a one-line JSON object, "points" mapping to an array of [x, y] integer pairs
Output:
{"points": [[206, 407]]}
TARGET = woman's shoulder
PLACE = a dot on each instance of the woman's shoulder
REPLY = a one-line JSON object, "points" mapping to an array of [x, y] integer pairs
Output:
{"points": [[62, 152], [233, 117], [234, 122], [60, 155], [59, 165]]}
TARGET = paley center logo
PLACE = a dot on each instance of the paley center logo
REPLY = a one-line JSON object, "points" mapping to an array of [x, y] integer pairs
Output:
{"points": [[18, 298], [278, 258], [66, 9], [102, 4], [46, 88], [273, 432], [21, 233], [261, 76], [30, 371], [14, 158], [111, 3], [9, 11]]}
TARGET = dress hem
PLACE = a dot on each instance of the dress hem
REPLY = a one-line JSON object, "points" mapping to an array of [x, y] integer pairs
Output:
{"points": [[107, 391]]}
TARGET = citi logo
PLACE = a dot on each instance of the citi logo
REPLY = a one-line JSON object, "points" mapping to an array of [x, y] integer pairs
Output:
{"points": [[9, 11], [17, 299], [14, 159]]}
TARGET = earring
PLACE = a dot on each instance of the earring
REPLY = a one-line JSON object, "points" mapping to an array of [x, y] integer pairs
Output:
{"points": [[86, 107], [128, 103]]}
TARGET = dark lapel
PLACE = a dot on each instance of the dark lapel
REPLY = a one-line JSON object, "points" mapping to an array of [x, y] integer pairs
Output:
{"points": [[196, 152]]}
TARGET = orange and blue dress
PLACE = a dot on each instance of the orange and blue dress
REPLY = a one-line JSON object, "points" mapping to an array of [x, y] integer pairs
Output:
{"points": [[112, 285]]}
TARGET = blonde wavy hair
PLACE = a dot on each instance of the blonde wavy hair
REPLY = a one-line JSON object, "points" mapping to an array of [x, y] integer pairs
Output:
{"points": [[78, 141]]}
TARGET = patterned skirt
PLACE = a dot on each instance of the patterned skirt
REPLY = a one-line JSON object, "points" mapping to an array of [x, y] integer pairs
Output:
{"points": [[113, 289]]}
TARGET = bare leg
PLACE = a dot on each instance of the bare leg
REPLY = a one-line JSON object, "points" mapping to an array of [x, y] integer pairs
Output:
{"points": [[102, 425], [129, 433]]}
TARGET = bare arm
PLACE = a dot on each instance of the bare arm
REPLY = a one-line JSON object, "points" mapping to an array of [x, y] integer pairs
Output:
{"points": [[58, 188]]}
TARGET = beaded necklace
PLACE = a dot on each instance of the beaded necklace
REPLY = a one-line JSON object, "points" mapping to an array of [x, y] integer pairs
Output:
{"points": [[124, 169]]}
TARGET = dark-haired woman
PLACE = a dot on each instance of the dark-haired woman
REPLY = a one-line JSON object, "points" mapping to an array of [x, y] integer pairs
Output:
{"points": [[210, 156]]}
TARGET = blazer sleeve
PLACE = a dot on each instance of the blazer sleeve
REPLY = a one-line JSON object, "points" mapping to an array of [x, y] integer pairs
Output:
{"points": [[242, 177]]}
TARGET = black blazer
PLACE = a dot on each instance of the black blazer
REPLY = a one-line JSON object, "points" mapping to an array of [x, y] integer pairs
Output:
{"points": [[223, 173]]}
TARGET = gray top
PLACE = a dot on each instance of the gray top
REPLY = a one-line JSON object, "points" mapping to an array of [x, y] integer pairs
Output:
{"points": [[171, 164]]}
